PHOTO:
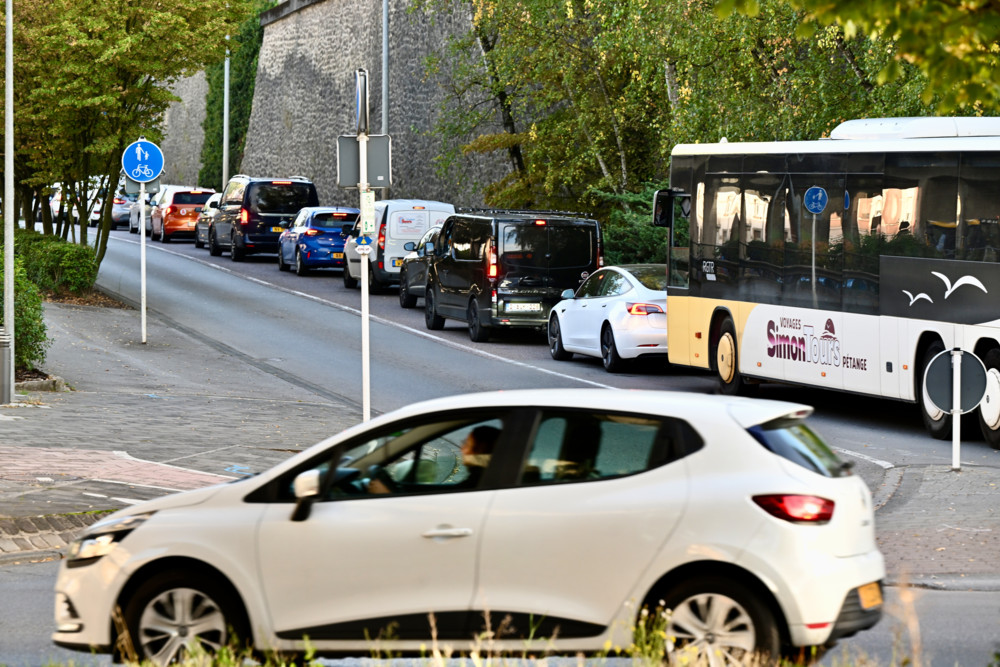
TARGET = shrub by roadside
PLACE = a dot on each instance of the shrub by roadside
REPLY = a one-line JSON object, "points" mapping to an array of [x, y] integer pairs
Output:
{"points": [[30, 338], [43, 264]]}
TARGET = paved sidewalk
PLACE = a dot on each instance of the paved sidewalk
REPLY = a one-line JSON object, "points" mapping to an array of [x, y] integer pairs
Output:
{"points": [[142, 421], [181, 412]]}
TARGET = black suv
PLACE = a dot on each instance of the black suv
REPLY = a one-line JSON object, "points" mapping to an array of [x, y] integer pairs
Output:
{"points": [[251, 212], [507, 268]]}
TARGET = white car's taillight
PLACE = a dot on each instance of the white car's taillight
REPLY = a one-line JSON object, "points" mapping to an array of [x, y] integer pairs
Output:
{"points": [[797, 508]]}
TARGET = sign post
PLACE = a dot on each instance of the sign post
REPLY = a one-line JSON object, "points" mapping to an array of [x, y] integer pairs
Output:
{"points": [[142, 162], [353, 167], [958, 382], [815, 201]]}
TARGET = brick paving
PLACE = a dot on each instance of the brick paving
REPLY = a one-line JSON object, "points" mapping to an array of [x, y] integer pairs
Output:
{"points": [[179, 413]]}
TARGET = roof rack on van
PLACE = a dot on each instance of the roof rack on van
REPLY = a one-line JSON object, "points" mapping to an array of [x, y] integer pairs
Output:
{"points": [[515, 211]]}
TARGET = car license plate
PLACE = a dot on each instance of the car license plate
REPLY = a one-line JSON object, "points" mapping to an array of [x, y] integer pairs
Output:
{"points": [[397, 262], [870, 595], [523, 307], [338, 255], [277, 230]]}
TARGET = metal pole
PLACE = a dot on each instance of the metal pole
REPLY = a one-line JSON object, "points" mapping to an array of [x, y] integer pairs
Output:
{"points": [[366, 402], [815, 299], [142, 256], [225, 120], [8, 197], [385, 67], [956, 407]]}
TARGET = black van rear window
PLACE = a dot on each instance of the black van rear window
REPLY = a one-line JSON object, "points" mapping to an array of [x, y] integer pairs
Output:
{"points": [[526, 245], [281, 198]]}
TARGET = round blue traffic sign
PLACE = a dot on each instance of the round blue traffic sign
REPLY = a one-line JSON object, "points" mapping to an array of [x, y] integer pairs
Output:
{"points": [[142, 161], [815, 199]]}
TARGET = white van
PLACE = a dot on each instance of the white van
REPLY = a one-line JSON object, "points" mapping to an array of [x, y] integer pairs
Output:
{"points": [[397, 221]]}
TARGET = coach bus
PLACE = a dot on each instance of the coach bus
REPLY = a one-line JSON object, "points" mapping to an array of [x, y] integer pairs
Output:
{"points": [[845, 263]]}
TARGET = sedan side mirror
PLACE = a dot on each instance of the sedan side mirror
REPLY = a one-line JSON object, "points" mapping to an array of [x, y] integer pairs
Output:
{"points": [[306, 487], [567, 294], [213, 204]]}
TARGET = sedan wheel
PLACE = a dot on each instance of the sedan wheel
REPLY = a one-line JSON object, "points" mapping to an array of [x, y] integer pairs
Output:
{"points": [[213, 244], [609, 351], [300, 267], [172, 616], [281, 261], [556, 348], [406, 300]]}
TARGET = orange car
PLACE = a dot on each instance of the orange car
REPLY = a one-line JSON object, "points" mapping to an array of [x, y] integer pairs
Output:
{"points": [[177, 212]]}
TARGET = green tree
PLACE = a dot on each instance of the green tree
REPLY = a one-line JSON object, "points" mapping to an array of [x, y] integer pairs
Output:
{"points": [[97, 75], [954, 43], [242, 78], [594, 94]]}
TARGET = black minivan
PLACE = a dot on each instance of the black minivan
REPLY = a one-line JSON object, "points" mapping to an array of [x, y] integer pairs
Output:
{"points": [[251, 213], [507, 268]]}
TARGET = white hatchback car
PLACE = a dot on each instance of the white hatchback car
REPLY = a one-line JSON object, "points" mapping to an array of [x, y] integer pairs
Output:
{"points": [[592, 505], [618, 314]]}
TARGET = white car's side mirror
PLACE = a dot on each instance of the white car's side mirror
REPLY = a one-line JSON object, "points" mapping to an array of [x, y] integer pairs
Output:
{"points": [[306, 484]]}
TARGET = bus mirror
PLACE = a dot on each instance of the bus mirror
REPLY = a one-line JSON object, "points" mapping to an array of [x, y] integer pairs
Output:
{"points": [[668, 205]]}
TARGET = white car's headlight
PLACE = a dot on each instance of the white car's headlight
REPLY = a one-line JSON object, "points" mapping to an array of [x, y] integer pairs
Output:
{"points": [[101, 538]]}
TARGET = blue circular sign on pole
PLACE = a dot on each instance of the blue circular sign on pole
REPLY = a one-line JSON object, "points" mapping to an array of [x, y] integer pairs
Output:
{"points": [[142, 161], [815, 200]]}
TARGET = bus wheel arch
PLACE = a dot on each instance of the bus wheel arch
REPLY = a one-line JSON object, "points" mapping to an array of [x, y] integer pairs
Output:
{"points": [[936, 422]]}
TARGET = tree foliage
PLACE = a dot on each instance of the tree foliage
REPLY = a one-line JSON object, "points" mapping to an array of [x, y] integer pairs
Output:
{"points": [[584, 99], [242, 78], [954, 43], [91, 77]]}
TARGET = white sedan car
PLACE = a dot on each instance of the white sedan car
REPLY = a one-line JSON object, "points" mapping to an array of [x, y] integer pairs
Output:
{"points": [[618, 314], [593, 504]]}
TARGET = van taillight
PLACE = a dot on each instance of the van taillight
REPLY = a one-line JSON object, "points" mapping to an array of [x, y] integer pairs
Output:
{"points": [[492, 270], [381, 237], [797, 508], [168, 210], [244, 216]]}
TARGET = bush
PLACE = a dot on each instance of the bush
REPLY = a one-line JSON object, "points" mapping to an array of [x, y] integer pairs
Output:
{"points": [[30, 338], [629, 235], [55, 265]]}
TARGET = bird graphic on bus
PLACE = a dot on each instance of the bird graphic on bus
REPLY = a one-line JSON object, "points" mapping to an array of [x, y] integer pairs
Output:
{"points": [[964, 280], [948, 287], [916, 298]]}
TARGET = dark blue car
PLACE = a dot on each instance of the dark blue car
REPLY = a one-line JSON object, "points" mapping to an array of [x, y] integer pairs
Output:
{"points": [[315, 238]]}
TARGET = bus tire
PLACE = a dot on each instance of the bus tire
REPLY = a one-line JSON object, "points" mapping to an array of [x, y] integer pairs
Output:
{"points": [[937, 422], [727, 361], [989, 409]]}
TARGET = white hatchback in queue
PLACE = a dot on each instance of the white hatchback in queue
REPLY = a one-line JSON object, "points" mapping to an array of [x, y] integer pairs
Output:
{"points": [[592, 504]]}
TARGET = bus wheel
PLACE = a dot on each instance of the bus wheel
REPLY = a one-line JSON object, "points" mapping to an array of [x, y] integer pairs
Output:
{"points": [[727, 364], [989, 409], [937, 422]]}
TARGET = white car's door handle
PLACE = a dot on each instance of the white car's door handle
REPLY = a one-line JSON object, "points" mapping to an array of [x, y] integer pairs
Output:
{"points": [[447, 532]]}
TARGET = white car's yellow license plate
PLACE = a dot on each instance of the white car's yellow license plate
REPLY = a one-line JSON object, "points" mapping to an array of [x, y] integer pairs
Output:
{"points": [[870, 595]]}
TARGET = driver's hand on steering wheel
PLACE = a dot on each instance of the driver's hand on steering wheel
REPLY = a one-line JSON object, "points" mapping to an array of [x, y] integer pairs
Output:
{"points": [[376, 485]]}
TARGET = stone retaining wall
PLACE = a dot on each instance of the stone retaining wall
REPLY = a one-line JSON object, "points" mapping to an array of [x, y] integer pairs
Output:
{"points": [[304, 99]]}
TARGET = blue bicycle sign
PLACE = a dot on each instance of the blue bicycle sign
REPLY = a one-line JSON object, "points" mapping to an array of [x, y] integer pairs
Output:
{"points": [[142, 161]]}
